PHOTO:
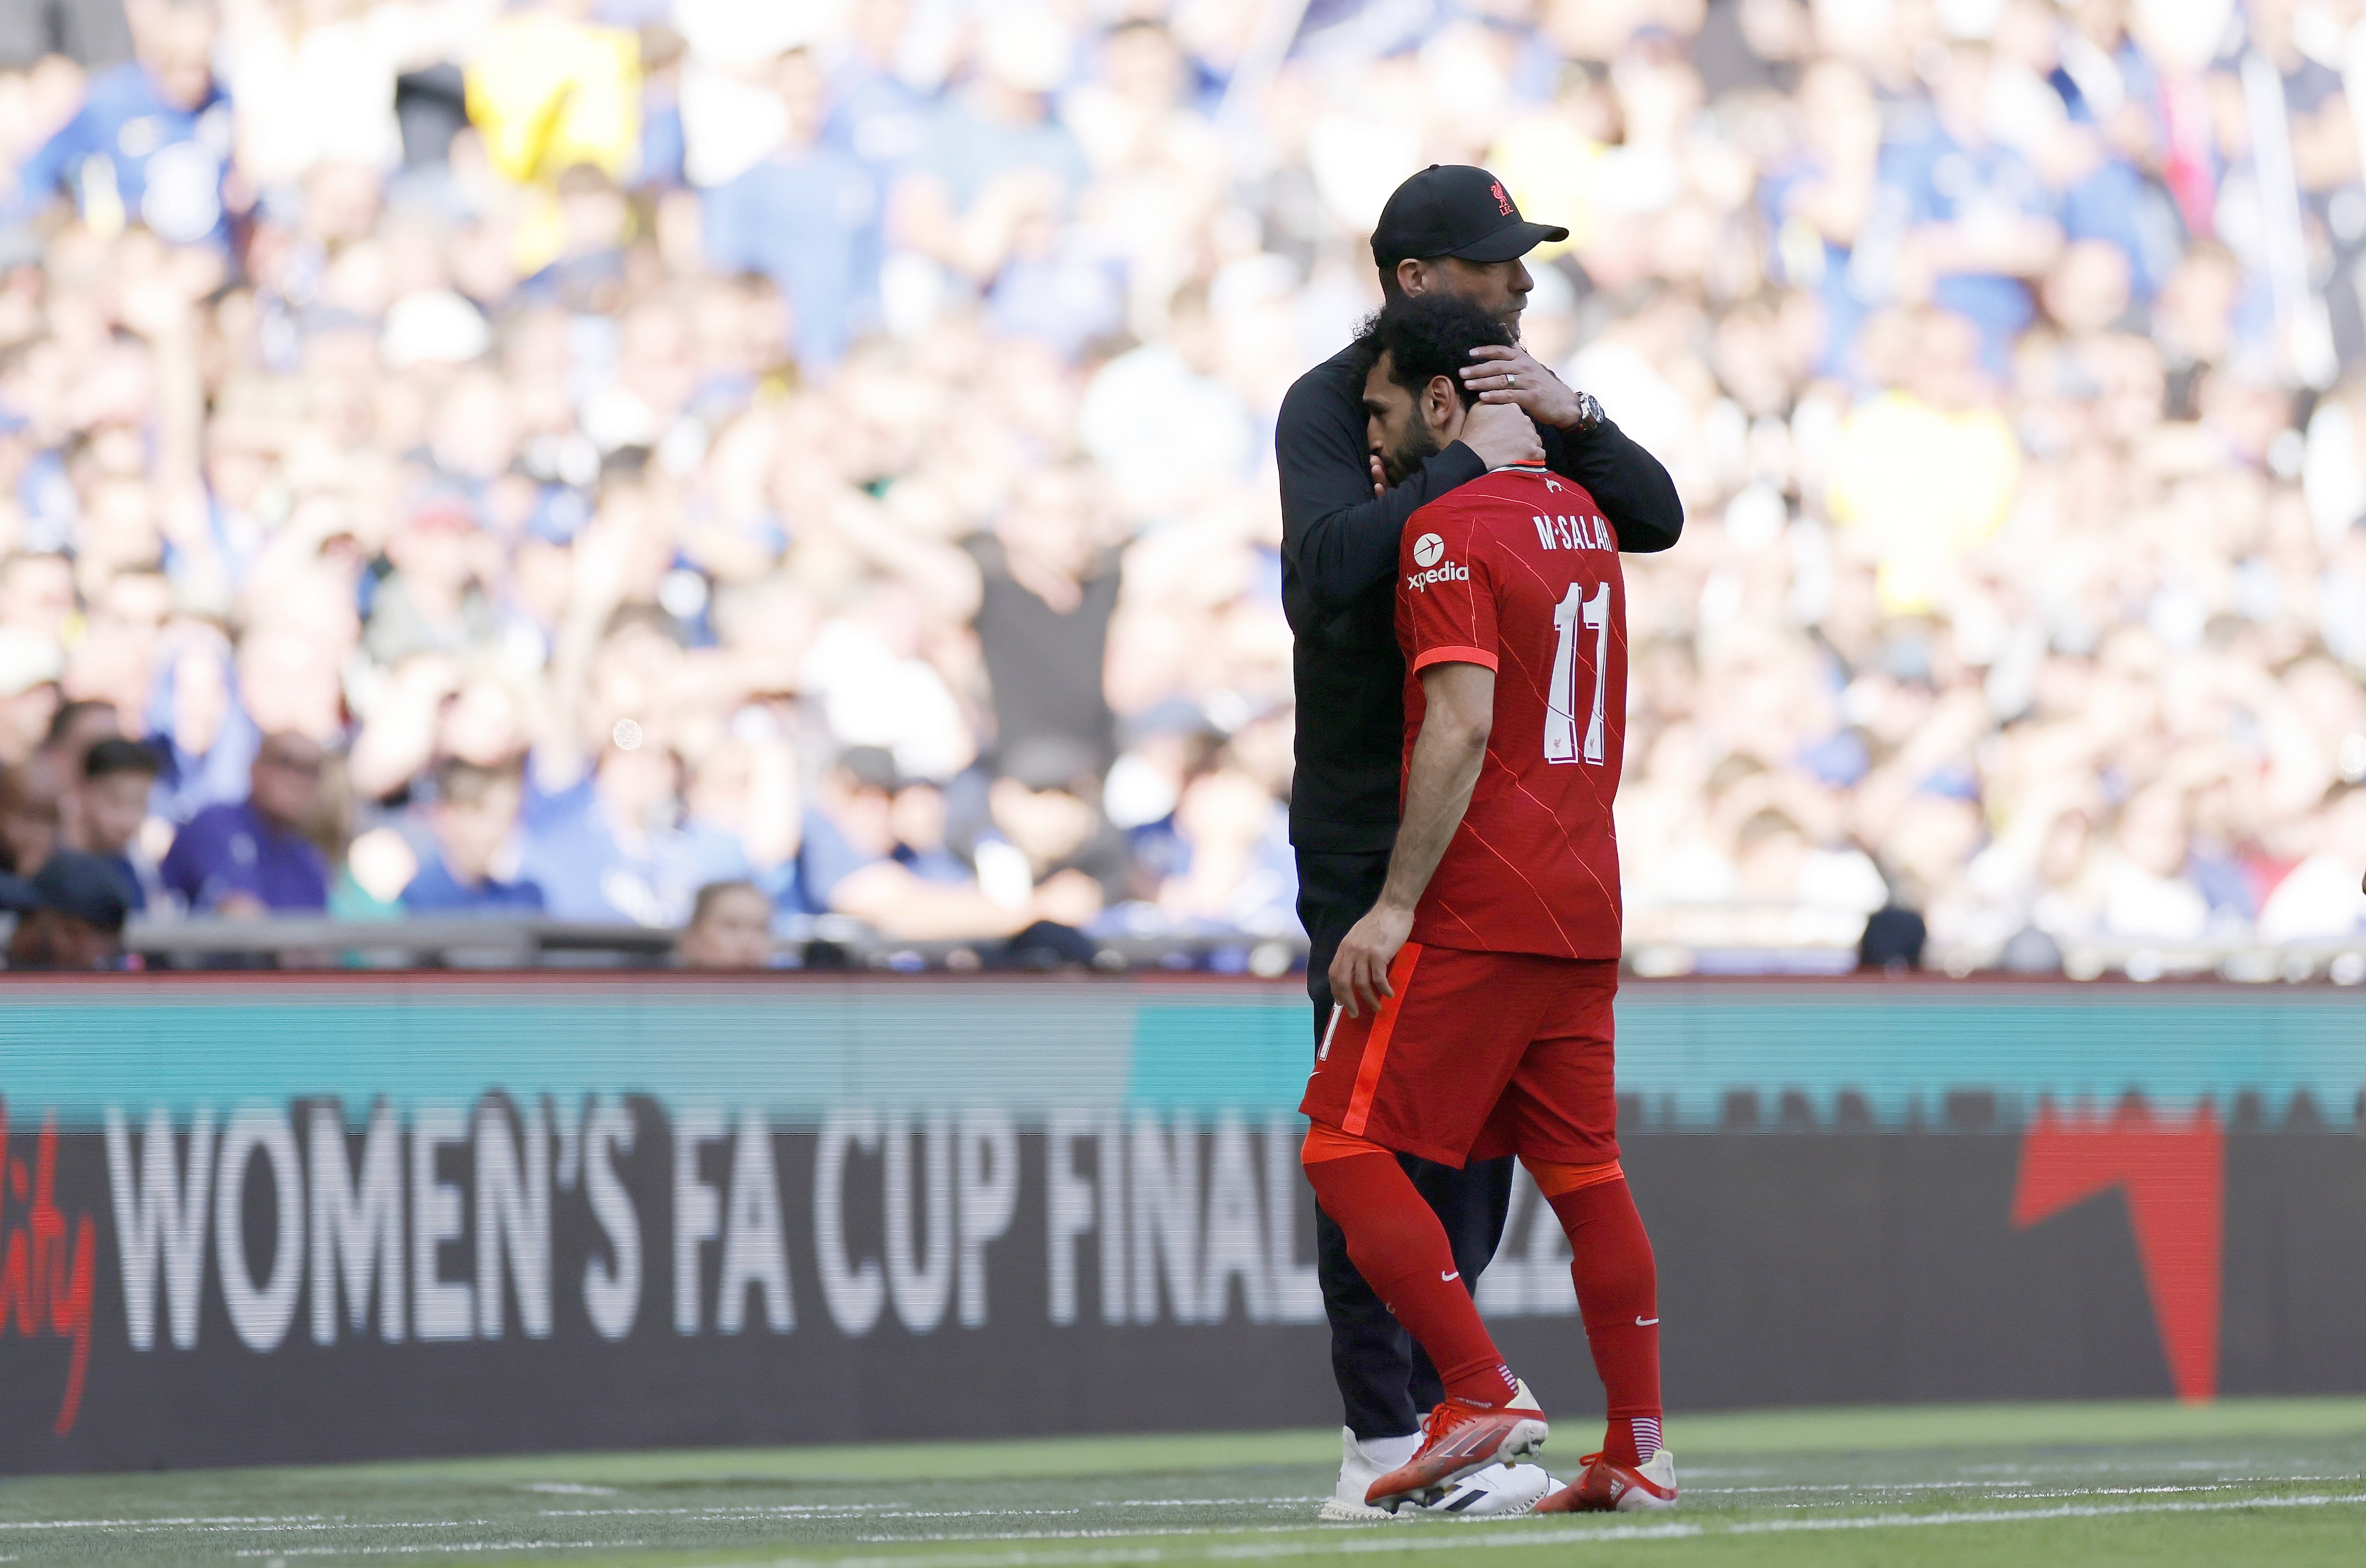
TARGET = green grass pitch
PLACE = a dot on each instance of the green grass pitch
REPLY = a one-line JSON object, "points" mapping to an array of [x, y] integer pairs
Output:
{"points": [[2240, 1481]]}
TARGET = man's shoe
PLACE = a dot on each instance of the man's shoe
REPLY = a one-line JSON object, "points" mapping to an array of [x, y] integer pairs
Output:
{"points": [[1498, 1492], [1457, 1439], [1603, 1487], [1361, 1463]]}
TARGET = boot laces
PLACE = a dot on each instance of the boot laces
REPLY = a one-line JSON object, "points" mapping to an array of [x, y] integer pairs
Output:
{"points": [[1442, 1420]]}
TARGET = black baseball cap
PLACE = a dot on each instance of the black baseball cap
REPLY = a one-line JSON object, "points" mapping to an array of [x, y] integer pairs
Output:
{"points": [[1453, 209]]}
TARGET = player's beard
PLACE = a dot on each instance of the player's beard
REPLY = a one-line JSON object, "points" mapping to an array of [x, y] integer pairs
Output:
{"points": [[1420, 444]]}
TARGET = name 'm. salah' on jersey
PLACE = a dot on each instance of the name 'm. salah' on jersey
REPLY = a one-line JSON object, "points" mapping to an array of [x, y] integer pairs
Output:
{"points": [[1519, 571]]}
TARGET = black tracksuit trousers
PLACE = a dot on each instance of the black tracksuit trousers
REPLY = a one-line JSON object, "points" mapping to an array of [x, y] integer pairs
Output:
{"points": [[1385, 1380]]}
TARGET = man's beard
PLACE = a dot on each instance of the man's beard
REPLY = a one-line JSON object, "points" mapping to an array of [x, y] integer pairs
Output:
{"points": [[1419, 446]]}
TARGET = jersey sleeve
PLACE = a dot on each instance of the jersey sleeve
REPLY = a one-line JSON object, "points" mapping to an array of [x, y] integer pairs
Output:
{"points": [[1444, 589]]}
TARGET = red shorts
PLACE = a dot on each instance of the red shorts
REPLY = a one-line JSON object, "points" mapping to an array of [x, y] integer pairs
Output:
{"points": [[1478, 1055]]}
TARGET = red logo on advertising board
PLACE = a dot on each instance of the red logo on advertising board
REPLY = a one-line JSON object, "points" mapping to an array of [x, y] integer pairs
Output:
{"points": [[46, 1285], [2173, 1174]]}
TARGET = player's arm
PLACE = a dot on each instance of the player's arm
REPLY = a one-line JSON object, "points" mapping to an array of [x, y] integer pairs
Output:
{"points": [[1632, 487], [1459, 709]]}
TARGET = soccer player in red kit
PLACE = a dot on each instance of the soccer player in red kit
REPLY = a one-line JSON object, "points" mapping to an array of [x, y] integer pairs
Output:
{"points": [[1474, 1014]]}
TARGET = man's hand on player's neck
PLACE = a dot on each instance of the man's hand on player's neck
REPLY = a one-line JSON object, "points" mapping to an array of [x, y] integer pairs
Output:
{"points": [[1501, 433], [1507, 374], [1458, 709]]}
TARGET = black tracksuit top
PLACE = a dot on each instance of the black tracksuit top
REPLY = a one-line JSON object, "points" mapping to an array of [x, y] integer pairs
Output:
{"points": [[1338, 586]]}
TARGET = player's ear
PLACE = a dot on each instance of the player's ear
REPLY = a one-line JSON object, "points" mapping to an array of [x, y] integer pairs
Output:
{"points": [[1439, 401]]}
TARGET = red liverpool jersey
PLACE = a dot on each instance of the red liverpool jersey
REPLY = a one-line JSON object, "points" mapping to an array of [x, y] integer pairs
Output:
{"points": [[1517, 570]]}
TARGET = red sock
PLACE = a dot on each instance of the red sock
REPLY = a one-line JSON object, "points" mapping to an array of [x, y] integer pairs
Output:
{"points": [[1619, 1292], [1396, 1243]]}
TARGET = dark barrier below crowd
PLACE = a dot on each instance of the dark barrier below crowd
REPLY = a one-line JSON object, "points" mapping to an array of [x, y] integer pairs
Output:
{"points": [[811, 1213]]}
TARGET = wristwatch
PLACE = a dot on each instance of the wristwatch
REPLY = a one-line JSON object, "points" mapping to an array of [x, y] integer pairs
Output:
{"points": [[1589, 413]]}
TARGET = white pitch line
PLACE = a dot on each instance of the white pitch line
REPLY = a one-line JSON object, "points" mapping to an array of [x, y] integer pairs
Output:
{"points": [[1447, 1537], [1102, 1532], [2028, 1490], [1205, 1502], [1433, 1539], [457, 1546], [890, 1511], [2018, 1516], [1208, 1503], [808, 1511], [1453, 1539], [253, 1527], [188, 1520]]}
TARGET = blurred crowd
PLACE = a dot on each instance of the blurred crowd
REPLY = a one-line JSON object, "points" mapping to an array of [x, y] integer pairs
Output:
{"points": [[565, 454]]}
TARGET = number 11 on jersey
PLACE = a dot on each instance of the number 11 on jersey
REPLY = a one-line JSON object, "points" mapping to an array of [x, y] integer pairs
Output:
{"points": [[1576, 610]]}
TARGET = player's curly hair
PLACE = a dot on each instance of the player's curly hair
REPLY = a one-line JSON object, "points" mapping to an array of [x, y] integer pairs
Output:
{"points": [[1427, 335]]}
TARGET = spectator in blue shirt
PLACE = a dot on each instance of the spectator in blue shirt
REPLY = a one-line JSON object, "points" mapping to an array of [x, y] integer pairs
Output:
{"points": [[474, 820], [201, 732], [2104, 195], [995, 152], [874, 113], [1002, 122], [808, 216], [614, 848], [1969, 217], [118, 778], [917, 817], [252, 858], [1816, 198], [153, 138]]}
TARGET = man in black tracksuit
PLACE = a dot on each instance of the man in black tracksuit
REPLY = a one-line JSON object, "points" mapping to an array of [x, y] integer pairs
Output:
{"points": [[1448, 228]]}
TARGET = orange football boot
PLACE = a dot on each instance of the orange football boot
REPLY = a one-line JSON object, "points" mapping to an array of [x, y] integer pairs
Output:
{"points": [[1457, 1438], [1604, 1487]]}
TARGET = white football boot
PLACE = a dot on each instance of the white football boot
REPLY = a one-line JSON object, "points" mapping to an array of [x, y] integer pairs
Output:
{"points": [[1497, 1492], [1360, 1465]]}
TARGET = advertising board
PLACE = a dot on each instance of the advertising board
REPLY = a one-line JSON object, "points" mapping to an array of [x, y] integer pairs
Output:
{"points": [[351, 1217]]}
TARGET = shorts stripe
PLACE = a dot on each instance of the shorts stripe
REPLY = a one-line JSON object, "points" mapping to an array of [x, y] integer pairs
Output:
{"points": [[1459, 653], [1376, 1048], [1557, 1179], [1328, 1143]]}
